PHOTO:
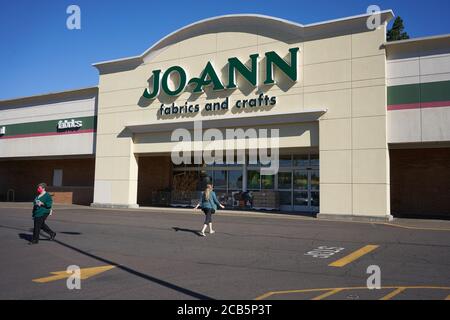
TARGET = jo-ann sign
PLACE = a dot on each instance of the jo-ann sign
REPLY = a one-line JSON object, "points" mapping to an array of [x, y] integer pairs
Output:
{"points": [[209, 76]]}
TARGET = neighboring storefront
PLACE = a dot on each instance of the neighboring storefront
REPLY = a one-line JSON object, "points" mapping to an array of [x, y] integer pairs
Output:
{"points": [[49, 138], [363, 125], [418, 104]]}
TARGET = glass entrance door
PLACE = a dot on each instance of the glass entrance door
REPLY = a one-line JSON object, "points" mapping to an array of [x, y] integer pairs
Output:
{"points": [[306, 190], [285, 189], [314, 194], [299, 190]]}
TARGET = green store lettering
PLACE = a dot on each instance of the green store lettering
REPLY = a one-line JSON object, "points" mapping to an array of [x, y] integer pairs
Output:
{"points": [[209, 76]]}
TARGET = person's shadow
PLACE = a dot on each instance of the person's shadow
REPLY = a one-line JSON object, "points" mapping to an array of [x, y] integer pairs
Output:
{"points": [[197, 233], [26, 236]]}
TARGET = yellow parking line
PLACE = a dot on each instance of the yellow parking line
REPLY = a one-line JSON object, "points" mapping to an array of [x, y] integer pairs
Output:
{"points": [[393, 293], [331, 291], [412, 227], [353, 256], [327, 294], [265, 295], [272, 293]]}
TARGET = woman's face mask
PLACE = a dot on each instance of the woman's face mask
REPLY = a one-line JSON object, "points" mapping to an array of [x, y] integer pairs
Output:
{"points": [[40, 189]]}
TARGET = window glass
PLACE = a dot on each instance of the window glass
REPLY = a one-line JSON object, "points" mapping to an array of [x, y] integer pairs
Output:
{"points": [[220, 179], [235, 180], [301, 198], [206, 177], [267, 182], [315, 160], [252, 160], [285, 198], [253, 180], [222, 196], [314, 180], [315, 200], [301, 160], [300, 180], [185, 181], [284, 180], [285, 161]]}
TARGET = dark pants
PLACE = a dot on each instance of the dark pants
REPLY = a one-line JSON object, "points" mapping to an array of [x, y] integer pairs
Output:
{"points": [[208, 215], [39, 223]]}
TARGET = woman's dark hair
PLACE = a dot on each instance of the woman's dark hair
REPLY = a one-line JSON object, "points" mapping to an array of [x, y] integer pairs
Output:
{"points": [[43, 185]]}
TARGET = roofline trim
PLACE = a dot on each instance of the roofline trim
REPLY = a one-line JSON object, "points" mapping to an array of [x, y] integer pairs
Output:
{"points": [[140, 57], [43, 95], [428, 38]]}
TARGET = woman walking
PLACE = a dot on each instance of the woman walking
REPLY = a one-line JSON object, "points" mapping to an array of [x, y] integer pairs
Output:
{"points": [[42, 207], [208, 203]]}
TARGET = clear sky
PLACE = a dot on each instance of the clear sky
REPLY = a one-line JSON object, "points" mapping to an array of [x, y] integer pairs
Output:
{"points": [[38, 54]]}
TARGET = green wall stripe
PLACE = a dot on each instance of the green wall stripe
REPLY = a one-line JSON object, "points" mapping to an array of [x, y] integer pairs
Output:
{"points": [[45, 126], [418, 92], [435, 91], [409, 93]]}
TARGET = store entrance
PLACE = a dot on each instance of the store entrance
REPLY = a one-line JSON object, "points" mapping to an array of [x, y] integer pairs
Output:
{"points": [[299, 190], [241, 186], [298, 183]]}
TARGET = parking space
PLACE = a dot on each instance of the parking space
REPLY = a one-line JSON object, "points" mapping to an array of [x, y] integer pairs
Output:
{"points": [[158, 255]]}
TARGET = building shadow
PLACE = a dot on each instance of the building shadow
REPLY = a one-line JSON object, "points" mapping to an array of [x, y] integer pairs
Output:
{"points": [[193, 294]]}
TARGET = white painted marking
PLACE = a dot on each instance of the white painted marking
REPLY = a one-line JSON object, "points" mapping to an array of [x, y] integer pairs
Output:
{"points": [[324, 252]]}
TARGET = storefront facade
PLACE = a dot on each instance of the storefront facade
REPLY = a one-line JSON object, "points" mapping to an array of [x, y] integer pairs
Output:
{"points": [[321, 112], [49, 138], [337, 97]]}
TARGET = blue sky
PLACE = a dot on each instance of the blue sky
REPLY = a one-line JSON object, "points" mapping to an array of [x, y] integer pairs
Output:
{"points": [[38, 54]]}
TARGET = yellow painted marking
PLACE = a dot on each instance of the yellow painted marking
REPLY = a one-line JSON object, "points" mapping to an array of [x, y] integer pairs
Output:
{"points": [[266, 295], [327, 294], [393, 293], [414, 228], [353, 256], [448, 297], [84, 274], [272, 293]]}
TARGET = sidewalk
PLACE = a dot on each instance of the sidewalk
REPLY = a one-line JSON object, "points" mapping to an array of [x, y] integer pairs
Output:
{"points": [[413, 224]]}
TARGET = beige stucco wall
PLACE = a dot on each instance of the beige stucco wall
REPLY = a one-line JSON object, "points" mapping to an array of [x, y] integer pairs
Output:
{"points": [[350, 81], [344, 74]]}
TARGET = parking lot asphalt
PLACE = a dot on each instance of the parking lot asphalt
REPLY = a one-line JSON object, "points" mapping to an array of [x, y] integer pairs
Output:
{"points": [[158, 254]]}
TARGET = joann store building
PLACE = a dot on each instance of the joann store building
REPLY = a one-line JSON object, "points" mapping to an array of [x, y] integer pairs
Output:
{"points": [[364, 125]]}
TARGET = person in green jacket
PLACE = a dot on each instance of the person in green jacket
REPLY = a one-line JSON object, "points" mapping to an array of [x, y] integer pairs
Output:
{"points": [[208, 203], [42, 207]]}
